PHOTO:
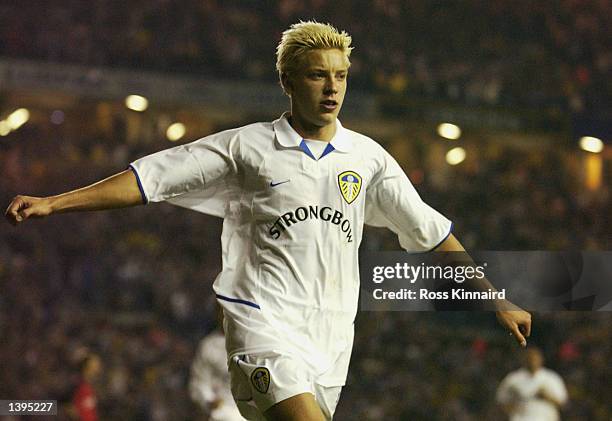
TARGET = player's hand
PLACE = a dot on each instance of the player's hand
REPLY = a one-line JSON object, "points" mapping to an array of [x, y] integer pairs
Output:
{"points": [[216, 403], [544, 394], [24, 207], [516, 320]]}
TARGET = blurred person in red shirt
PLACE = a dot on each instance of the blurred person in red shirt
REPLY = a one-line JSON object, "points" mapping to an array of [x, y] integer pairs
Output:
{"points": [[84, 400]]}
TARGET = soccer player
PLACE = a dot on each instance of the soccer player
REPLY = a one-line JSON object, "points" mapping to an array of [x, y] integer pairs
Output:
{"points": [[209, 383], [532, 393], [294, 194], [84, 401]]}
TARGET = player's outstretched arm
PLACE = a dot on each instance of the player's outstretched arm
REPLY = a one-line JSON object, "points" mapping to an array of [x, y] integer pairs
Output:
{"points": [[513, 318], [118, 191]]}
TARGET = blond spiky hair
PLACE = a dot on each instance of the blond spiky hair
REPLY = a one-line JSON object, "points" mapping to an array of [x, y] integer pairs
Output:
{"points": [[310, 35]]}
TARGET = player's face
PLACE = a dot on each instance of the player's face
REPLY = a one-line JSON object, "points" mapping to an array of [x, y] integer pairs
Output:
{"points": [[534, 359], [94, 367], [317, 89]]}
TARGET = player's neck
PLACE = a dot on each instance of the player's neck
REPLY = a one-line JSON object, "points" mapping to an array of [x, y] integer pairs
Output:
{"points": [[312, 132], [533, 371]]}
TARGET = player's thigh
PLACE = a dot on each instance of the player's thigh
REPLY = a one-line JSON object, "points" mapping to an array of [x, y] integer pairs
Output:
{"points": [[302, 407]]}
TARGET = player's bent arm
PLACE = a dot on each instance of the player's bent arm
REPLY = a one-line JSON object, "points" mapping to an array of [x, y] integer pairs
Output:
{"points": [[118, 191], [547, 396], [509, 315], [452, 244], [554, 392]]}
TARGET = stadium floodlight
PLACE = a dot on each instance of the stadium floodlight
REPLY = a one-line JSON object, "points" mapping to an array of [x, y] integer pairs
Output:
{"points": [[136, 103], [5, 129], [455, 156], [591, 144], [449, 131], [175, 131], [18, 118]]}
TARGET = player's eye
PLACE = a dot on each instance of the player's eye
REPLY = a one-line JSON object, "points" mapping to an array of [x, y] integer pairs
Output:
{"points": [[341, 76]]}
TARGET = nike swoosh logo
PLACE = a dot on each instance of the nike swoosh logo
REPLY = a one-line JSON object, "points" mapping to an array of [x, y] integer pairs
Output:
{"points": [[273, 184]]}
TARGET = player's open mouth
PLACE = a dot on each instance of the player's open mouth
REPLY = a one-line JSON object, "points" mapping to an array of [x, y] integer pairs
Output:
{"points": [[329, 104]]}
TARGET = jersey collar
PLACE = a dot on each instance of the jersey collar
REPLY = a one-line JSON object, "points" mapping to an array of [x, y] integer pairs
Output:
{"points": [[289, 138]]}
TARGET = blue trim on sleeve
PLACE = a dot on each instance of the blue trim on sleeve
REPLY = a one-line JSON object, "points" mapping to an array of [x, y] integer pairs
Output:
{"points": [[444, 239], [238, 300], [142, 193]]}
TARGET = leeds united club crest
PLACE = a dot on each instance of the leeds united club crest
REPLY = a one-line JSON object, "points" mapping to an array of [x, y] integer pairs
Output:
{"points": [[260, 378], [350, 185]]}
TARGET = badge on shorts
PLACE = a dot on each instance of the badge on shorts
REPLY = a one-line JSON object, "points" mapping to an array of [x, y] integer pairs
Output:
{"points": [[260, 378], [350, 185]]}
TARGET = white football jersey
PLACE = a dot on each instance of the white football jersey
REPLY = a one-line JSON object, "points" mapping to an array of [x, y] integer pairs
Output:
{"points": [[209, 383], [291, 231], [520, 389]]}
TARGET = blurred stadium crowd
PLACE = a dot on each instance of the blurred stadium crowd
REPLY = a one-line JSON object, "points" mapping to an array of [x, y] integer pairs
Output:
{"points": [[134, 285], [503, 52]]}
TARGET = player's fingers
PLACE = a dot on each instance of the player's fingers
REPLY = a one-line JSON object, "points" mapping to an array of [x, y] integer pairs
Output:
{"points": [[518, 335], [12, 212], [12, 208], [32, 210], [527, 327], [36, 208], [26, 213]]}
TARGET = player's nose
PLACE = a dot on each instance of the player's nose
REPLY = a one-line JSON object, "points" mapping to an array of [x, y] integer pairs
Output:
{"points": [[331, 86]]}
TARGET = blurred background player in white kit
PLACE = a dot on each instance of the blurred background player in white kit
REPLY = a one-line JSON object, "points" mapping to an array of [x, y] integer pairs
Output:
{"points": [[209, 383], [532, 393]]}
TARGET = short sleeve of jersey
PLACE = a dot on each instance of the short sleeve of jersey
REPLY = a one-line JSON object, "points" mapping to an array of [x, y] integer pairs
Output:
{"points": [[393, 202], [183, 169]]}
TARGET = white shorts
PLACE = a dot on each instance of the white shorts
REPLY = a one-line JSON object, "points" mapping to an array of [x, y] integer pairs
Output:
{"points": [[261, 380]]}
